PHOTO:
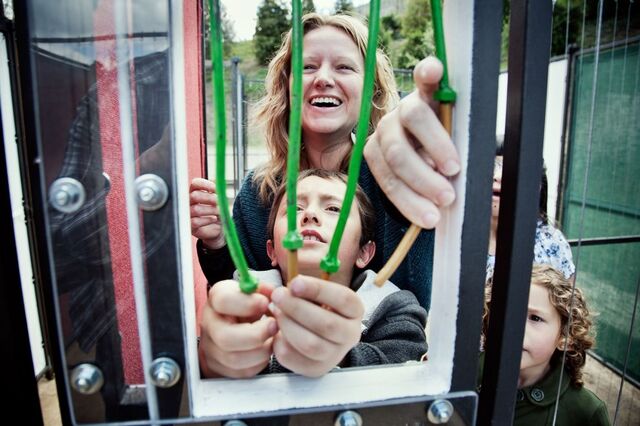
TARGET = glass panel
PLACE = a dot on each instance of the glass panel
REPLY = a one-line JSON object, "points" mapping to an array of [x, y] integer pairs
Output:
{"points": [[95, 119]]}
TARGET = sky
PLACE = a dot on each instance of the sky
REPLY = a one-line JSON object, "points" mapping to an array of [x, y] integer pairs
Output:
{"points": [[243, 14]]}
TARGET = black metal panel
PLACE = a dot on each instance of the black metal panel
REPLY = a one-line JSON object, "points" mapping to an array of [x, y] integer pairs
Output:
{"points": [[529, 38], [475, 229], [16, 352]]}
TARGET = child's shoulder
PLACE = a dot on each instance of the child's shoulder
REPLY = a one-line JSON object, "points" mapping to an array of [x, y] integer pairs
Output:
{"points": [[585, 404]]}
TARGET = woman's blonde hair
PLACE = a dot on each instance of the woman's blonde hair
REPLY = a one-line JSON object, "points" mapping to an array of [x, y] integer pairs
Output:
{"points": [[575, 318], [272, 111]]}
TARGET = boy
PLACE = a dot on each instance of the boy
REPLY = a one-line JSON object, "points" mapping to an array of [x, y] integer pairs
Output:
{"points": [[554, 320], [316, 325]]}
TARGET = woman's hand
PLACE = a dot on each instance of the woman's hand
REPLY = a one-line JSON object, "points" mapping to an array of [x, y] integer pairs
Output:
{"points": [[205, 216], [236, 338], [319, 322], [410, 153]]}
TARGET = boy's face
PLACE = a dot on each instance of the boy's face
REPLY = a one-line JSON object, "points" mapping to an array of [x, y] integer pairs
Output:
{"points": [[319, 204], [542, 333]]}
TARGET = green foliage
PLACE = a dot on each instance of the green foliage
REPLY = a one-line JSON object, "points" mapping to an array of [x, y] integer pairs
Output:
{"points": [[308, 7], [559, 36], [417, 30], [392, 24], [343, 6], [272, 23], [384, 38]]}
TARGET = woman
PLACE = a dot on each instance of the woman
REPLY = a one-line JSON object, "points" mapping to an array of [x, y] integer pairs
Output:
{"points": [[550, 247], [334, 51]]}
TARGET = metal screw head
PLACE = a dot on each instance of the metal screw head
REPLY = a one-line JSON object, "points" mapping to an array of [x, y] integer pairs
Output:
{"points": [[348, 418], [66, 195], [235, 423], [87, 379], [440, 411], [152, 192], [165, 372]]}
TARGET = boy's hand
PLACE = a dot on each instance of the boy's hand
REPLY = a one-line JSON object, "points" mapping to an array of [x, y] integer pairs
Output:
{"points": [[205, 216], [410, 153], [319, 323], [236, 339]]}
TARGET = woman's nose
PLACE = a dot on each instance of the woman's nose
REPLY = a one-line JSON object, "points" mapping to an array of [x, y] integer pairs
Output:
{"points": [[323, 78]]}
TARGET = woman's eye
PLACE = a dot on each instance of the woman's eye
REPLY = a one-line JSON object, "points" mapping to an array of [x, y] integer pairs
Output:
{"points": [[308, 67], [334, 209], [345, 67], [299, 208], [535, 318]]}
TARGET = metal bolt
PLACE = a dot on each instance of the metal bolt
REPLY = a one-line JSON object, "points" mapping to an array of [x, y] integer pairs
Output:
{"points": [[348, 418], [165, 372], [235, 423], [152, 192], [440, 411], [87, 379], [66, 195]]}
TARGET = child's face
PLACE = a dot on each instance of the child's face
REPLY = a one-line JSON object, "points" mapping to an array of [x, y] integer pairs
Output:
{"points": [[497, 186], [319, 204], [542, 333]]}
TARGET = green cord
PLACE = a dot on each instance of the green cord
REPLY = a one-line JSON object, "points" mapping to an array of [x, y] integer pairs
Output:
{"points": [[330, 263], [444, 93], [248, 283], [293, 240]]}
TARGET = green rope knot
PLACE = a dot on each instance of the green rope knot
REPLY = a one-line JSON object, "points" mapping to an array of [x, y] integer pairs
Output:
{"points": [[249, 284], [292, 240], [330, 264]]}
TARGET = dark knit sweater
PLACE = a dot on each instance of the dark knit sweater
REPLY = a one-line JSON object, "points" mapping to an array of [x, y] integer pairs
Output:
{"points": [[251, 216]]}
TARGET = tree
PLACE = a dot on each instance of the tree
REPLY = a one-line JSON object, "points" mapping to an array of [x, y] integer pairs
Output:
{"points": [[272, 23], [392, 24], [308, 6], [417, 30], [343, 6]]}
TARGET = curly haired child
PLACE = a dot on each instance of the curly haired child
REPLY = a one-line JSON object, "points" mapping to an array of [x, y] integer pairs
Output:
{"points": [[557, 318]]}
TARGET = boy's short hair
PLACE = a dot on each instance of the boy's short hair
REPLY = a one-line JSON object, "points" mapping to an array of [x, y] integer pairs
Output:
{"points": [[575, 319], [365, 208]]}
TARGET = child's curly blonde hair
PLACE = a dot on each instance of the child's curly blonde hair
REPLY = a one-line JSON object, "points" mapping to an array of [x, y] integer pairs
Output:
{"points": [[574, 315]]}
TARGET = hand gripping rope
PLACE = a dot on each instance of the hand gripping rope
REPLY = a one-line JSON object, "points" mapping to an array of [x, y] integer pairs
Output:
{"points": [[446, 96], [293, 241]]}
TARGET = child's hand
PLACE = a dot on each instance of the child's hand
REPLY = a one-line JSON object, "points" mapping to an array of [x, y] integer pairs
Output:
{"points": [[205, 216], [236, 339], [313, 338], [410, 153]]}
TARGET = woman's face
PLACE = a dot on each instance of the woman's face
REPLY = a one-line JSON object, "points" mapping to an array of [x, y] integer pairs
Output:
{"points": [[497, 186], [332, 83]]}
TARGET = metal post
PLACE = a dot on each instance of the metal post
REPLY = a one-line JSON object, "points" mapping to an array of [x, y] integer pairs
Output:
{"points": [[236, 120], [475, 231], [529, 38]]}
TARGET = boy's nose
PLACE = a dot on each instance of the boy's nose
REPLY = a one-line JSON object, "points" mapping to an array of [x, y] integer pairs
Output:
{"points": [[310, 216]]}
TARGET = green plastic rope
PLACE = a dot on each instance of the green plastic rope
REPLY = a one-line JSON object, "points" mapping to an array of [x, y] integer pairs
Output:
{"points": [[248, 283], [330, 263], [293, 240], [444, 93]]}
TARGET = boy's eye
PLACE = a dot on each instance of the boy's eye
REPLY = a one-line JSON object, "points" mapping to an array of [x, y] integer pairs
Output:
{"points": [[309, 67], [346, 67], [535, 318], [299, 208], [334, 209]]}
